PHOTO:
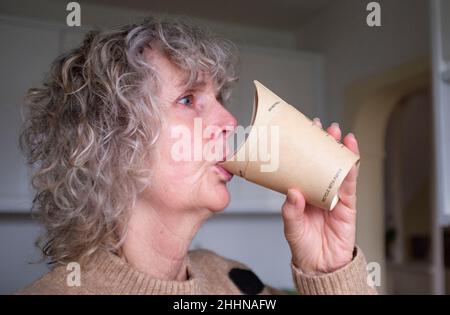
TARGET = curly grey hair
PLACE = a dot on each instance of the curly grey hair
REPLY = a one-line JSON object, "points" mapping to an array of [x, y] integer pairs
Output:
{"points": [[90, 130]]}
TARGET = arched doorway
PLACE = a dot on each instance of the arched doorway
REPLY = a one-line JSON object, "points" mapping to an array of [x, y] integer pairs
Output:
{"points": [[408, 195], [369, 104]]}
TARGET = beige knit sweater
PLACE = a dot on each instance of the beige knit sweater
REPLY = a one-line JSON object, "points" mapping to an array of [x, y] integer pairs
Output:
{"points": [[208, 273]]}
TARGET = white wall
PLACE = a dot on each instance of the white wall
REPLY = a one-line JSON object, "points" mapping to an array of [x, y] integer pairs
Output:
{"points": [[19, 263], [354, 51], [103, 16]]}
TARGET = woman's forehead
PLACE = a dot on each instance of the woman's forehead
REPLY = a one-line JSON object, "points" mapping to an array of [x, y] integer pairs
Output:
{"points": [[173, 79]]}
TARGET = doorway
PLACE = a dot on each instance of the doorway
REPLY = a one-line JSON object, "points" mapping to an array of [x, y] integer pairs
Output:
{"points": [[369, 106], [408, 203]]}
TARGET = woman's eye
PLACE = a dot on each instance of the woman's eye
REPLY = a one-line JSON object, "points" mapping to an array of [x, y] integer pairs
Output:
{"points": [[186, 100]]}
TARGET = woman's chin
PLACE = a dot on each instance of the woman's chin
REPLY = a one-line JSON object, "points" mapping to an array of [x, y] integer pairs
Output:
{"points": [[220, 199]]}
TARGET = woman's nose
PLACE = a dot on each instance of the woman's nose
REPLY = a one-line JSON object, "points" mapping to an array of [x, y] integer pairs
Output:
{"points": [[231, 120], [227, 121], [223, 122]]}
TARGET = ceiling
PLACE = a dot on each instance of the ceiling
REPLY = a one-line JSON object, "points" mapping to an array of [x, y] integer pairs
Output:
{"points": [[274, 14]]}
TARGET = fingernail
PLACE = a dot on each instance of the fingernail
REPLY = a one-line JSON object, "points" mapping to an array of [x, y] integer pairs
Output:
{"points": [[317, 120], [291, 198], [351, 135], [335, 124]]}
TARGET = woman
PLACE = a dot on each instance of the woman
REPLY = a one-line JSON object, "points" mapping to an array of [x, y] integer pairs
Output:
{"points": [[114, 200]]}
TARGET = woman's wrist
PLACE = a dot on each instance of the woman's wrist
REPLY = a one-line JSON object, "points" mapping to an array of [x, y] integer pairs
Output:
{"points": [[317, 271]]}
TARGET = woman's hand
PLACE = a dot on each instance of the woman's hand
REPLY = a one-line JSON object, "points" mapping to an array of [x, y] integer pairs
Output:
{"points": [[323, 241]]}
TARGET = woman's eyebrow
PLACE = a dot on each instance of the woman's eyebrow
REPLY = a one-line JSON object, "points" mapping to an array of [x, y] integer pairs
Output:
{"points": [[198, 85], [195, 86]]}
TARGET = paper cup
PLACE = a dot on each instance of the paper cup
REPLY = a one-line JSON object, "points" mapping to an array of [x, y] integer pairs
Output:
{"points": [[308, 158]]}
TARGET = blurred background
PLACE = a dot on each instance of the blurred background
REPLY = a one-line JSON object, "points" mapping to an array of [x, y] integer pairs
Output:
{"points": [[388, 84]]}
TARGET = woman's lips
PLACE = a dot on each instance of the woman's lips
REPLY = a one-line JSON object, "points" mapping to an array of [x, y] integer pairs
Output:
{"points": [[225, 174]]}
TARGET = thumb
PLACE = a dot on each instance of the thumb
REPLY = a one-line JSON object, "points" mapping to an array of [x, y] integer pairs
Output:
{"points": [[293, 212]]}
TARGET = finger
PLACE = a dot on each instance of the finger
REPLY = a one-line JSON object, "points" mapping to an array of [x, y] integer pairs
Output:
{"points": [[293, 213], [351, 143], [347, 191], [317, 122], [335, 131]]}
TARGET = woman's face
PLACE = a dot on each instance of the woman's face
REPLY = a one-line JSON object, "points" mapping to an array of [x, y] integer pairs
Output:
{"points": [[192, 142]]}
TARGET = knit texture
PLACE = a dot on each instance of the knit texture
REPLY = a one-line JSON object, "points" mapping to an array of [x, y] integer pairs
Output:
{"points": [[208, 273]]}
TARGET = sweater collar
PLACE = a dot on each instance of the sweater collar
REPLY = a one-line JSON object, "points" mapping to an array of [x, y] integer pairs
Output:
{"points": [[122, 278]]}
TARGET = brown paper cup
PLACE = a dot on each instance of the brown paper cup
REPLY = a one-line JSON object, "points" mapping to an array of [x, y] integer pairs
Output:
{"points": [[308, 158]]}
